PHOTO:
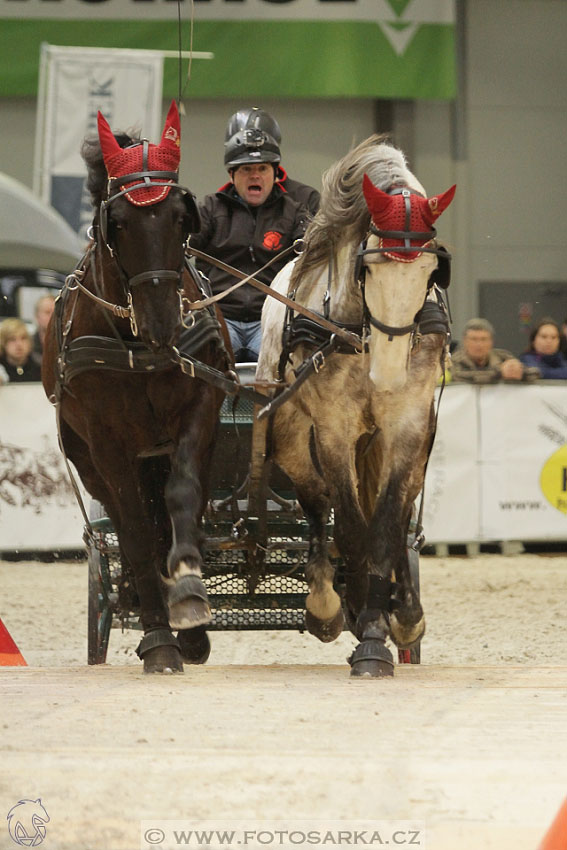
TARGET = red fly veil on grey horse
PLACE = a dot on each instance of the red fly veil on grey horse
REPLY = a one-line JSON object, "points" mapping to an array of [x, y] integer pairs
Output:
{"points": [[143, 158], [404, 214]]}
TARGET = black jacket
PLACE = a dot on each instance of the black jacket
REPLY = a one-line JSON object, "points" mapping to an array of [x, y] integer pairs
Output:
{"points": [[30, 371], [247, 237], [300, 192]]}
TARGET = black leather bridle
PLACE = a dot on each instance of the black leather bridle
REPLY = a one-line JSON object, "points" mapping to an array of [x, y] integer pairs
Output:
{"points": [[146, 179]]}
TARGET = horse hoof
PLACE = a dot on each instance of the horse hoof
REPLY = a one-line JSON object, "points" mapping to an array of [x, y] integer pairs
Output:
{"points": [[160, 652], [195, 645], [163, 659], [406, 636], [188, 603], [325, 630], [371, 659]]}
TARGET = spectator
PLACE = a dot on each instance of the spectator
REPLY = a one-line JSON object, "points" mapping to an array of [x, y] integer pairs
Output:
{"points": [[543, 352], [563, 338], [17, 360], [43, 310], [478, 362], [248, 222]]}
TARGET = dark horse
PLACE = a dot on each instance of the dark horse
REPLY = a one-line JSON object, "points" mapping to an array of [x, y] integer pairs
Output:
{"points": [[122, 362]]}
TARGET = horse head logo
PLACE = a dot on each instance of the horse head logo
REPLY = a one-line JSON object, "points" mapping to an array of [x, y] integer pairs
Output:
{"points": [[26, 823]]}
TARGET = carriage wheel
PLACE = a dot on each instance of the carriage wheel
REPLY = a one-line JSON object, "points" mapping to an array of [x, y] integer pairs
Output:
{"points": [[99, 590]]}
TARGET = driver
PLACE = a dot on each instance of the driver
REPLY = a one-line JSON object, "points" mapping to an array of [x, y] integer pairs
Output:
{"points": [[248, 222]]}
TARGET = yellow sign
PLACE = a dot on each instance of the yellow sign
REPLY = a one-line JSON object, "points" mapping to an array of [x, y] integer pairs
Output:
{"points": [[553, 480]]}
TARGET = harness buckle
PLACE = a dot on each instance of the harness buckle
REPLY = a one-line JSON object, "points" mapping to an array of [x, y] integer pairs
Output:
{"points": [[132, 315], [318, 361], [189, 320], [187, 366], [417, 544]]}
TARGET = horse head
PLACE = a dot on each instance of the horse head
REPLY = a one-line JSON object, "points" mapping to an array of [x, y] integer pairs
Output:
{"points": [[399, 260], [145, 219]]}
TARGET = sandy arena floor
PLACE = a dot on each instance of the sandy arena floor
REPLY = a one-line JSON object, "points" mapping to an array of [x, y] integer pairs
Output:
{"points": [[467, 750]]}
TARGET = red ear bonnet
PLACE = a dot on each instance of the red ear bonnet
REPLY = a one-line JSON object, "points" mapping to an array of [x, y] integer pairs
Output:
{"points": [[388, 212], [123, 161]]}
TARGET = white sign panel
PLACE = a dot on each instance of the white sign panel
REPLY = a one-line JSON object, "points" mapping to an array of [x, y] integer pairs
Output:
{"points": [[498, 470], [38, 510], [75, 82], [524, 462], [451, 506]]}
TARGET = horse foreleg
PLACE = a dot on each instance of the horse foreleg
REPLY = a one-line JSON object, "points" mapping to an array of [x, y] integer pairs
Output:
{"points": [[407, 621], [323, 610], [115, 481], [291, 437], [389, 556], [185, 495]]}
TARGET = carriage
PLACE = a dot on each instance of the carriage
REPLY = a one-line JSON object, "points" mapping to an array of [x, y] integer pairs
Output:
{"points": [[257, 541], [354, 339]]}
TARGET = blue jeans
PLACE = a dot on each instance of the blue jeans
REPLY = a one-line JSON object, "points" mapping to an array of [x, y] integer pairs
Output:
{"points": [[245, 338]]}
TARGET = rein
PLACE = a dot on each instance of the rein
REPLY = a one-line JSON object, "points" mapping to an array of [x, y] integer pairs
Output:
{"points": [[350, 338]]}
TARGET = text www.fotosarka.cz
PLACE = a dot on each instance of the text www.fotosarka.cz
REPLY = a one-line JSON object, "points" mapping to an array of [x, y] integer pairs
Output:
{"points": [[254, 835]]}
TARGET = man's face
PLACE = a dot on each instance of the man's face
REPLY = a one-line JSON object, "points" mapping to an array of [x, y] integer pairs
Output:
{"points": [[478, 345], [254, 182]]}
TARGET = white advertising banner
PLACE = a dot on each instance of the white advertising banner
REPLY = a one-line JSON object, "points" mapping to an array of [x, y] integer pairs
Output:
{"points": [[498, 470], [38, 510], [75, 82], [524, 462], [451, 504]]}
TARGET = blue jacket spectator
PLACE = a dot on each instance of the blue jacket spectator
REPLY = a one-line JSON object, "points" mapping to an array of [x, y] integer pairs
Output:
{"points": [[544, 352]]}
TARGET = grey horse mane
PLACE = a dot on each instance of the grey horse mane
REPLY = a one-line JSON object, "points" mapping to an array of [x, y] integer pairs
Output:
{"points": [[343, 213]]}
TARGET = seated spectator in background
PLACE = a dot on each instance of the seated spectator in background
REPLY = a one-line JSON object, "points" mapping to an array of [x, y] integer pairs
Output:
{"points": [[476, 361], [43, 310], [17, 360], [543, 352], [563, 338]]}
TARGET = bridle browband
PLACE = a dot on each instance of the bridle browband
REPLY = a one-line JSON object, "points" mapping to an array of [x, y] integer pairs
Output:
{"points": [[429, 246]]}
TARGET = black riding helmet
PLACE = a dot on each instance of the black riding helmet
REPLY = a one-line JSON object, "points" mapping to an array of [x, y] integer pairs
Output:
{"points": [[252, 135]]}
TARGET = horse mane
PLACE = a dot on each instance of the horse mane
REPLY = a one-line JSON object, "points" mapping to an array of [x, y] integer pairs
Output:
{"points": [[97, 177], [343, 213]]}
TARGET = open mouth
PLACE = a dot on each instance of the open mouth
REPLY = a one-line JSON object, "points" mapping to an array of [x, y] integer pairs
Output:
{"points": [[255, 189]]}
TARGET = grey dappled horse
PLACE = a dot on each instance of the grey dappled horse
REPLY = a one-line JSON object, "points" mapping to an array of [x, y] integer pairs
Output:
{"points": [[356, 435]]}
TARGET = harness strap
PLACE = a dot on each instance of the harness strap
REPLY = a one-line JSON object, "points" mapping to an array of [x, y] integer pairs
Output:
{"points": [[157, 275], [419, 539], [350, 338], [199, 305], [388, 329], [195, 369], [88, 534], [313, 364]]}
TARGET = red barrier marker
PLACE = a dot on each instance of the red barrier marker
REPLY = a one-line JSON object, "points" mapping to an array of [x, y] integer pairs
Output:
{"points": [[556, 836], [10, 655]]}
